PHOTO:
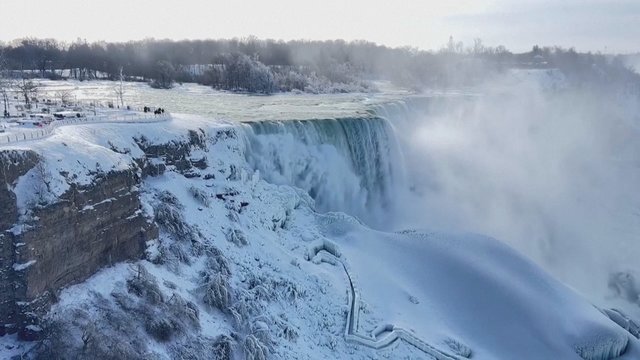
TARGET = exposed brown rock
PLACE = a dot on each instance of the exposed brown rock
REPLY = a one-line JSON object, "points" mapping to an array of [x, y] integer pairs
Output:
{"points": [[87, 228], [90, 227]]}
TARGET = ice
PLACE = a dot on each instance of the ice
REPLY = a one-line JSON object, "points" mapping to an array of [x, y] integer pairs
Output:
{"points": [[268, 273]]}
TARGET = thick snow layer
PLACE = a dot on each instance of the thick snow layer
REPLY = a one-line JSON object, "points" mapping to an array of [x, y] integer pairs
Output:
{"points": [[75, 154], [475, 291], [458, 294]]}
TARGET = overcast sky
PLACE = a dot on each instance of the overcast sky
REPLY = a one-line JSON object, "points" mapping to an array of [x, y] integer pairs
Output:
{"points": [[596, 25]]}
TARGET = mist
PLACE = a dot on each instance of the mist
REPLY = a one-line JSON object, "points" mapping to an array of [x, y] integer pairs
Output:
{"points": [[548, 168]]}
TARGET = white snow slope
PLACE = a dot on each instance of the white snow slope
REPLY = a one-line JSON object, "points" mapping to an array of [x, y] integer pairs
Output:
{"points": [[277, 294]]}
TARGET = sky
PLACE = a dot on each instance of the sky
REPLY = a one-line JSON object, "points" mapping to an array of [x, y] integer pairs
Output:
{"points": [[587, 25]]}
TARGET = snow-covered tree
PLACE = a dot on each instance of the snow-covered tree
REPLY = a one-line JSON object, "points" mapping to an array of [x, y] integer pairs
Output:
{"points": [[163, 75], [6, 84], [119, 90]]}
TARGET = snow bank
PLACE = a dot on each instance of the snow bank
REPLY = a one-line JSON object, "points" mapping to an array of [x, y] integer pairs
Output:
{"points": [[474, 290]]}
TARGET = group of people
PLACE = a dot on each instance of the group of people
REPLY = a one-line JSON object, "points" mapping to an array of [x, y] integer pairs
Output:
{"points": [[157, 111]]}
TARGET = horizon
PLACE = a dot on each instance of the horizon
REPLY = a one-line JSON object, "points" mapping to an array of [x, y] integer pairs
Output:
{"points": [[587, 26], [467, 45]]}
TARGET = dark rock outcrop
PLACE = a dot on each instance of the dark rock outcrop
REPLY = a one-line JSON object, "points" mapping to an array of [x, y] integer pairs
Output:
{"points": [[64, 243], [13, 164], [85, 229], [175, 154]]}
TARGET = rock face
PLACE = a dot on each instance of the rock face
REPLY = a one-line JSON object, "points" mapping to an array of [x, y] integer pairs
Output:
{"points": [[13, 164], [85, 229], [175, 154], [64, 243]]}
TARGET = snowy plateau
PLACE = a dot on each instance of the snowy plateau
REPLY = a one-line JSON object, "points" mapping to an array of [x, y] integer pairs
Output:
{"points": [[283, 235]]}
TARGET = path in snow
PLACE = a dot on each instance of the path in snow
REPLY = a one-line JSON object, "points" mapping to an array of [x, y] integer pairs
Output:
{"points": [[385, 334], [28, 134]]}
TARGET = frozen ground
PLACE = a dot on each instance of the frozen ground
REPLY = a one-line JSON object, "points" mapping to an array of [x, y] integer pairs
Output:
{"points": [[203, 100], [237, 263]]}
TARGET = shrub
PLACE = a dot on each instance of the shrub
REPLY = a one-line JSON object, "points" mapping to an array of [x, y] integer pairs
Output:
{"points": [[144, 285], [217, 291], [254, 349], [168, 214], [222, 350], [245, 308], [200, 196], [184, 310], [216, 262], [161, 329], [237, 237], [458, 348]]}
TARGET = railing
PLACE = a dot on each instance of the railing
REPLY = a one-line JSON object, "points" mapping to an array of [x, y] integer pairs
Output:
{"points": [[385, 334], [27, 135]]}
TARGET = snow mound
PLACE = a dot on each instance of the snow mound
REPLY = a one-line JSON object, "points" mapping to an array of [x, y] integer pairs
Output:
{"points": [[476, 290]]}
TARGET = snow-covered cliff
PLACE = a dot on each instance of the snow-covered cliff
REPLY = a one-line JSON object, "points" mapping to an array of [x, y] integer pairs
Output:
{"points": [[246, 265]]}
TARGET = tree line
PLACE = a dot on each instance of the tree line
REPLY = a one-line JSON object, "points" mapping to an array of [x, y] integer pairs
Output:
{"points": [[266, 66]]}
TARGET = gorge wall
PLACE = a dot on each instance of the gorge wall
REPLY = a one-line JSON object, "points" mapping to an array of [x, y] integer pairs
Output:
{"points": [[50, 244], [13, 164], [65, 242]]}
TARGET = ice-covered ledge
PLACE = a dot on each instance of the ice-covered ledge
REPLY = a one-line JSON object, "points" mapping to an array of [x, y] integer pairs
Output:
{"points": [[31, 134]]}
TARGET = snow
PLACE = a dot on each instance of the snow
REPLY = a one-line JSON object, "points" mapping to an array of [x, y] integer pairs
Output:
{"points": [[474, 290], [23, 266], [299, 275], [203, 100], [10, 346]]}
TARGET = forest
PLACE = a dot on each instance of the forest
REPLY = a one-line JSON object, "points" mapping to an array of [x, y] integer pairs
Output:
{"points": [[266, 66]]}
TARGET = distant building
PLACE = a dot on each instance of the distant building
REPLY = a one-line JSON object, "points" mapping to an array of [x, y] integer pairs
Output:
{"points": [[539, 60]]}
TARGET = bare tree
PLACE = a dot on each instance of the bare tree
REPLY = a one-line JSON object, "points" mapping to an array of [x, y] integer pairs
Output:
{"points": [[42, 188], [28, 89], [478, 47], [119, 90], [64, 96], [5, 85]]}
